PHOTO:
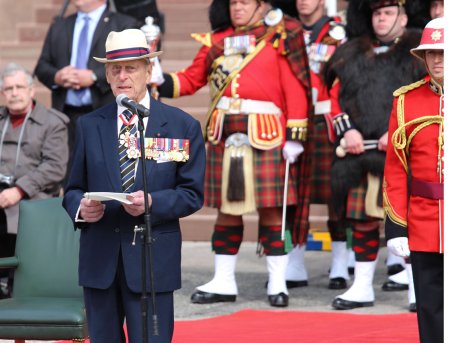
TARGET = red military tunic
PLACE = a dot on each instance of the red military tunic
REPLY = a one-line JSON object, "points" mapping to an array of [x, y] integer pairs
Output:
{"points": [[257, 87], [416, 133], [321, 40], [280, 86], [331, 35]]}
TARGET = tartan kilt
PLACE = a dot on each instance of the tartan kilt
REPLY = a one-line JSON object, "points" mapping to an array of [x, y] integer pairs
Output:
{"points": [[268, 168], [322, 158], [356, 204]]}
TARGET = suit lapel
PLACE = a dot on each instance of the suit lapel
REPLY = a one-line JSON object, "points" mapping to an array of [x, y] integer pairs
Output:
{"points": [[107, 130], [101, 26], [70, 27]]}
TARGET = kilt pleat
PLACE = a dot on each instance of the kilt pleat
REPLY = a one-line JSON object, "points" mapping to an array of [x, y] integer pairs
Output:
{"points": [[356, 202], [268, 169], [322, 157]]}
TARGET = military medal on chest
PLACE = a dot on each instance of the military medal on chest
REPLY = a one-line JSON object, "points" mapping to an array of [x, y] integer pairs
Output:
{"points": [[319, 53], [244, 44], [166, 149], [129, 137]]}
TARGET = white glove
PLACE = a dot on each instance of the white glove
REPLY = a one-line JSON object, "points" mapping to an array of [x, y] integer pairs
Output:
{"points": [[399, 246], [157, 73], [292, 150]]}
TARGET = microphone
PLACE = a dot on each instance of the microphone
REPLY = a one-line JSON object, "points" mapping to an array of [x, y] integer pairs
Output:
{"points": [[123, 100]]}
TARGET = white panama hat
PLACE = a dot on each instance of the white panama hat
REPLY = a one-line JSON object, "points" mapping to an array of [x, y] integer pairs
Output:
{"points": [[126, 45]]}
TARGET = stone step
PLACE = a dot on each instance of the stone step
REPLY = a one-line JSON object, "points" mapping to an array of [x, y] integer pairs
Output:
{"points": [[174, 64], [178, 8], [179, 36], [182, 32], [23, 53], [199, 99], [183, 18], [180, 49], [45, 14], [32, 32], [43, 94]]}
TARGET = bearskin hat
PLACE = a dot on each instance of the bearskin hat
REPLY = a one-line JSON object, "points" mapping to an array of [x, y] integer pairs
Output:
{"points": [[288, 7], [219, 14], [359, 14], [418, 13], [358, 18]]}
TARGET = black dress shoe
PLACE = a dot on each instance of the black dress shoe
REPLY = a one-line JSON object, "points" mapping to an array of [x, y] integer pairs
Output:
{"points": [[391, 286], [200, 297], [412, 307], [341, 304], [394, 269], [279, 300], [351, 270], [296, 284], [337, 283]]}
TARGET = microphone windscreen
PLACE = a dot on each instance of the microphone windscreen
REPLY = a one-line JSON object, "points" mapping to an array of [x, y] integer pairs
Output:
{"points": [[120, 98]]}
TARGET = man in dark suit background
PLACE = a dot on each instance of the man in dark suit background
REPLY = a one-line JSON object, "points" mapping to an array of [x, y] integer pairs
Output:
{"points": [[110, 265], [66, 67]]}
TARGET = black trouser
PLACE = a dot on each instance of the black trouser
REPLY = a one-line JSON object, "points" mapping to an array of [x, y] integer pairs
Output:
{"points": [[73, 113], [7, 249], [428, 274], [7, 240]]}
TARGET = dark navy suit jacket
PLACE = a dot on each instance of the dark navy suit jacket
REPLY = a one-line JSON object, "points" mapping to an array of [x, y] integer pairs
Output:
{"points": [[176, 189]]}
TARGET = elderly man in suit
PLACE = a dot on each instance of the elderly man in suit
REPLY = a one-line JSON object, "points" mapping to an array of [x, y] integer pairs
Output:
{"points": [[66, 67], [104, 160]]}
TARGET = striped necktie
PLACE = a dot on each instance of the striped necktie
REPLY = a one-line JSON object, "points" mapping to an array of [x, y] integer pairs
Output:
{"points": [[127, 165]]}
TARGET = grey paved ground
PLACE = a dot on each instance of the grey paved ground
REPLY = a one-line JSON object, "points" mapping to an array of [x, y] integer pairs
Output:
{"points": [[197, 267]]}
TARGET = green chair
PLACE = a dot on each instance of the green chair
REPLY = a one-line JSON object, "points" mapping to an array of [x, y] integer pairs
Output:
{"points": [[47, 303]]}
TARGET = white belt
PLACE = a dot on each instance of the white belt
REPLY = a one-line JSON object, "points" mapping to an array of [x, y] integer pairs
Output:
{"points": [[246, 106], [322, 107]]}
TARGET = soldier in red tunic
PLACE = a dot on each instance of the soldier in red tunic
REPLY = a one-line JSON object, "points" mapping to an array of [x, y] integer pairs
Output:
{"points": [[413, 188], [255, 64], [322, 35], [363, 73]]}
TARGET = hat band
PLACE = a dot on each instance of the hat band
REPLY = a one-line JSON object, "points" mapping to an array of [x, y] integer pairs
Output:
{"points": [[385, 3], [126, 53], [432, 36]]}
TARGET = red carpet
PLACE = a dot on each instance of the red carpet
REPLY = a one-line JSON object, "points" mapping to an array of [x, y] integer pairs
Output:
{"points": [[305, 327]]}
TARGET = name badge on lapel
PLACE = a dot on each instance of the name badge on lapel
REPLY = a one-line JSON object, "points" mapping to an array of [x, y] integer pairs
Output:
{"points": [[167, 149]]}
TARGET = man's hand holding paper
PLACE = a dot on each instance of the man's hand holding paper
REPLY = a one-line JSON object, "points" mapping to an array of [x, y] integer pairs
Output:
{"points": [[138, 206]]}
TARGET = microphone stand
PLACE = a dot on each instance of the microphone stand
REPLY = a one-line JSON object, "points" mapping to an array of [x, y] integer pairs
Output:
{"points": [[146, 241]]}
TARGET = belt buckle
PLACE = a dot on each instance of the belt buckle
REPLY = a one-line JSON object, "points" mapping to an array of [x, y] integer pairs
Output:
{"points": [[235, 106]]}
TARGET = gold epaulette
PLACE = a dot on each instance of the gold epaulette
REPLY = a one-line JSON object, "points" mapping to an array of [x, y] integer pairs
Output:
{"points": [[204, 38], [410, 87]]}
